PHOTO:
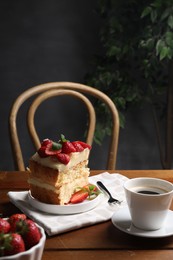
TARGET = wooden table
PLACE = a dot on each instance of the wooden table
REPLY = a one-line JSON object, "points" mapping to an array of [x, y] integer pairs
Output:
{"points": [[98, 242]]}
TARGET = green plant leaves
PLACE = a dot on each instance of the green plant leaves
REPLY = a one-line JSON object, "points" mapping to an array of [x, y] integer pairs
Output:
{"points": [[164, 48], [165, 52], [170, 21], [146, 11], [159, 46], [137, 41], [169, 39]]}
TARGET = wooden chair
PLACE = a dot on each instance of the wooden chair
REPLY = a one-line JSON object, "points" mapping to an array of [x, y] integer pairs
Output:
{"points": [[48, 90]]}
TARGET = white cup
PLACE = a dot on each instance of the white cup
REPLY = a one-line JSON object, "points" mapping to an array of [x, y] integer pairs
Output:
{"points": [[148, 211]]}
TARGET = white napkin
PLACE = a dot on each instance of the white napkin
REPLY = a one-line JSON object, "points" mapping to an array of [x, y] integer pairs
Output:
{"points": [[56, 224]]}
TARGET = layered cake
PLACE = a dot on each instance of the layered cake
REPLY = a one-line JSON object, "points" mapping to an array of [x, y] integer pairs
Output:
{"points": [[57, 169]]}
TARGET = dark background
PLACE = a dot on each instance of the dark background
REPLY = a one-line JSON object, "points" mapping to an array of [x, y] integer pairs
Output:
{"points": [[45, 41]]}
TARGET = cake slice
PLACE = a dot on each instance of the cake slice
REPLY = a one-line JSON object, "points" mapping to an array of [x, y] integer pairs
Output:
{"points": [[57, 169]]}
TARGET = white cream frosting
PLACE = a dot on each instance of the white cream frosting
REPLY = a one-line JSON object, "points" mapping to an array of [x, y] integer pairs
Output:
{"points": [[52, 162]]}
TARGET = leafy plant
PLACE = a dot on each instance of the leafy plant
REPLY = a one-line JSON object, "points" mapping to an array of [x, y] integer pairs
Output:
{"points": [[135, 65]]}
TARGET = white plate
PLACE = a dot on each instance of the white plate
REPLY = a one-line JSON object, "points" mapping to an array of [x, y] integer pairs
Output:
{"points": [[86, 205], [122, 220]]}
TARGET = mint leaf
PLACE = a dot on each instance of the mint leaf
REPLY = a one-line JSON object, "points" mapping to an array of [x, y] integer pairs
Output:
{"points": [[56, 146]]}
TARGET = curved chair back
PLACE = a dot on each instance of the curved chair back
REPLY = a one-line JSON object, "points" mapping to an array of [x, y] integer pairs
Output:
{"points": [[48, 90]]}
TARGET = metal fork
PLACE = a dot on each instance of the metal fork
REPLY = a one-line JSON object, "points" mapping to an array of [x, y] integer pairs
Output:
{"points": [[111, 200]]}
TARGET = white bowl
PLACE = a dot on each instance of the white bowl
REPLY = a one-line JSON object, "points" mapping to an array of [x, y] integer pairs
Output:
{"points": [[34, 253]]}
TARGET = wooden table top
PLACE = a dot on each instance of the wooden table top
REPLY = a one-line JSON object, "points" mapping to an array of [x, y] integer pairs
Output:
{"points": [[100, 241]]}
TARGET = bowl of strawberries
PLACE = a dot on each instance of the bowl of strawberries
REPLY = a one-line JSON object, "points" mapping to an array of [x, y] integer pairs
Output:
{"points": [[21, 238]]}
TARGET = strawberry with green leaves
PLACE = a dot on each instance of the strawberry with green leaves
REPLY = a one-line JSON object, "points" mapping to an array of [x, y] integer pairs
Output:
{"points": [[61, 150], [14, 219], [71, 147], [29, 232], [11, 244], [53, 149], [49, 148], [89, 191], [67, 146]]}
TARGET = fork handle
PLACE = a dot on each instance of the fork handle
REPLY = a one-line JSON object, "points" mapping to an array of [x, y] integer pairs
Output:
{"points": [[102, 186]]}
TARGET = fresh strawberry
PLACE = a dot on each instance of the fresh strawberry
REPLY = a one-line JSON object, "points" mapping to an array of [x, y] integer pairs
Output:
{"points": [[11, 244], [84, 145], [67, 147], [53, 149], [89, 192], [14, 219], [61, 150], [78, 146], [30, 233], [41, 152], [4, 226], [79, 196], [46, 142], [63, 158], [49, 148], [50, 152]]}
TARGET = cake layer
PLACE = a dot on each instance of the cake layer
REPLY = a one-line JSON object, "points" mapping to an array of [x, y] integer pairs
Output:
{"points": [[61, 195], [54, 177]]}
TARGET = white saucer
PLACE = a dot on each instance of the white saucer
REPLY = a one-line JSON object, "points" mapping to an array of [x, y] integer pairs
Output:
{"points": [[122, 220], [65, 209]]}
